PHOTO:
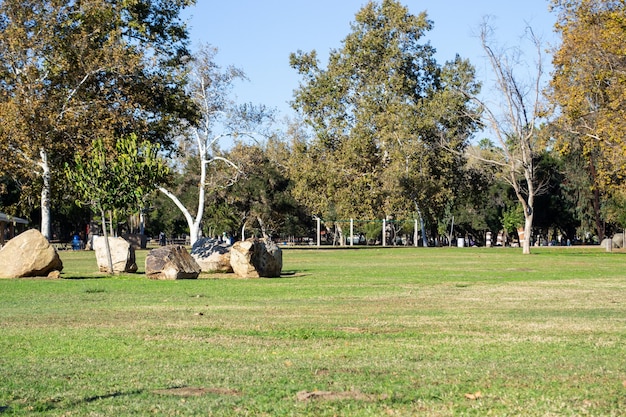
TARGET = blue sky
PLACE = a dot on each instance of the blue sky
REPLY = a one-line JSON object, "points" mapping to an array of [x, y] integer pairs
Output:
{"points": [[258, 35]]}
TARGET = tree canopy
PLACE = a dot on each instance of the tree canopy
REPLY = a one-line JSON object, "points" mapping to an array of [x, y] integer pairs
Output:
{"points": [[589, 86], [379, 112], [116, 180], [73, 71], [383, 130]]}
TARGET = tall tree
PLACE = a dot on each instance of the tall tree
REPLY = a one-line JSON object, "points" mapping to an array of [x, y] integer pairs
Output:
{"points": [[515, 119], [589, 86], [220, 117], [74, 71], [376, 118], [262, 195]]}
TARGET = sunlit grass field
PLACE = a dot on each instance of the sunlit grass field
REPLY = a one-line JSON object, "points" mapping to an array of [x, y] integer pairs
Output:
{"points": [[353, 332]]}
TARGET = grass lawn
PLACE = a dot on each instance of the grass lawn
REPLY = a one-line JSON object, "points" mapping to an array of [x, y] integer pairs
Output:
{"points": [[367, 332]]}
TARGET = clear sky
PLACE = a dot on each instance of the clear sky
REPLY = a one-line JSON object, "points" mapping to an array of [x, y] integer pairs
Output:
{"points": [[258, 35]]}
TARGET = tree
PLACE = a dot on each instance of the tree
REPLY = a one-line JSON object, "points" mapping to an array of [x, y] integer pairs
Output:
{"points": [[481, 197], [210, 87], [429, 173], [262, 193], [515, 120], [74, 71], [119, 180], [555, 208], [589, 88], [378, 112]]}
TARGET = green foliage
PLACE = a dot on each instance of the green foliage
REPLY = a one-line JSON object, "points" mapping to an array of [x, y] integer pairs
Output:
{"points": [[261, 197], [116, 180], [588, 86], [380, 112], [615, 209], [372, 230], [512, 218], [75, 71], [554, 206]]}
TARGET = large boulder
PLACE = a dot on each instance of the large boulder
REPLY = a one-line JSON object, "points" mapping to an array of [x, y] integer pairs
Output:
{"points": [[171, 262], [122, 254], [211, 255], [618, 240], [607, 244], [255, 258], [29, 255]]}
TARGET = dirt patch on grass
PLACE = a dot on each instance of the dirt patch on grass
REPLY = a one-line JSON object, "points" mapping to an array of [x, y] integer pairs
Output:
{"points": [[305, 396], [196, 391]]}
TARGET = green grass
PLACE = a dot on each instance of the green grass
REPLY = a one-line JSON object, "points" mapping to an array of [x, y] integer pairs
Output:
{"points": [[401, 332]]}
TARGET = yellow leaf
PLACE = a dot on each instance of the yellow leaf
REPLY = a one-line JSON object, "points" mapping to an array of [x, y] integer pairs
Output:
{"points": [[475, 396]]}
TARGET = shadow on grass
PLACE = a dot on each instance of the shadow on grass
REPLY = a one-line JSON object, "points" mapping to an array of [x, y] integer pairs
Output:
{"points": [[111, 395], [231, 276], [56, 403], [3, 409]]}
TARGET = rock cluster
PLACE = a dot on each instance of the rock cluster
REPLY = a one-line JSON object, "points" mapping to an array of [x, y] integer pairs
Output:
{"points": [[30, 254]]}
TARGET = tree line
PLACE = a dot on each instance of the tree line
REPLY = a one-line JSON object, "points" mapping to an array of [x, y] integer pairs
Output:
{"points": [[381, 130]]}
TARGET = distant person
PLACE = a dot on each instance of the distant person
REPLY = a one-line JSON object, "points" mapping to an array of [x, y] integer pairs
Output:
{"points": [[162, 240], [76, 242]]}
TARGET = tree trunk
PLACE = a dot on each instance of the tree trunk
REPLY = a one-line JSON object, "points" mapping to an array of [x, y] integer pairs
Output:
{"points": [[528, 228], [451, 232], [338, 235], [596, 200], [422, 226], [263, 229], [46, 175], [193, 224], [106, 242]]}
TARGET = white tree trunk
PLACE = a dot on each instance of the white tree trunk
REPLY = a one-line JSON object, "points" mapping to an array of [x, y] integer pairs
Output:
{"points": [[193, 224], [528, 229], [422, 225], [263, 229], [46, 175], [205, 160]]}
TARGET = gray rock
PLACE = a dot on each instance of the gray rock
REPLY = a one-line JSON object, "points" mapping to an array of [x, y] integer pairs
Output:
{"points": [[29, 255], [171, 262], [122, 253], [255, 258], [607, 244], [212, 256], [618, 240]]}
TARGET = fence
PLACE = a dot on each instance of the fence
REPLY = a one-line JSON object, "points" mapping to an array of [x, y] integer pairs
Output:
{"points": [[351, 239]]}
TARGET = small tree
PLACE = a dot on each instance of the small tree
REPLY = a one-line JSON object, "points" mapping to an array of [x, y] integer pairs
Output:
{"points": [[116, 180]]}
